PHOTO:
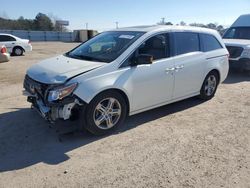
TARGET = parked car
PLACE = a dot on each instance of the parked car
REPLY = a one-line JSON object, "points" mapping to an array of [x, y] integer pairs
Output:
{"points": [[4, 55], [237, 40], [127, 71], [15, 45]]}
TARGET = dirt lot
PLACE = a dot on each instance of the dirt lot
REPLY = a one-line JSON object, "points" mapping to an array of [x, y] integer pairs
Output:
{"points": [[187, 144]]}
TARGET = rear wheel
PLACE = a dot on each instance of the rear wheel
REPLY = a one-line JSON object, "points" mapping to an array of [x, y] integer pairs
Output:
{"points": [[18, 51], [209, 86], [105, 112]]}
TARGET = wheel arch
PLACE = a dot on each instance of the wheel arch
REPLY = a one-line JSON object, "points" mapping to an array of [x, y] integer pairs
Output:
{"points": [[17, 46], [218, 73], [88, 98], [211, 70], [121, 92]]}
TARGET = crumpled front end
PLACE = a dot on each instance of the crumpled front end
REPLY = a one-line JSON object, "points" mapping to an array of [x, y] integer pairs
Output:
{"points": [[37, 94]]}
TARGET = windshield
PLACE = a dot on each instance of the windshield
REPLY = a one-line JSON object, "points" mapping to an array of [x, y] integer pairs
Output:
{"points": [[238, 33], [105, 47]]}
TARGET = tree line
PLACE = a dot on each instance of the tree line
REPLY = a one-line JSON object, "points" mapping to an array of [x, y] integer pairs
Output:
{"points": [[42, 22]]}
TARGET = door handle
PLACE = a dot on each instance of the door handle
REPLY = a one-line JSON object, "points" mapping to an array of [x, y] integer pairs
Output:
{"points": [[179, 67], [167, 70]]}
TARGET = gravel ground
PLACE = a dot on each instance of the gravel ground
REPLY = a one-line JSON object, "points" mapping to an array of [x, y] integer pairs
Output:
{"points": [[186, 144]]}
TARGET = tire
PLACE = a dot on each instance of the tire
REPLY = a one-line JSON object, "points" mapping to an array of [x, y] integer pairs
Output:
{"points": [[106, 112], [17, 51], [209, 86]]}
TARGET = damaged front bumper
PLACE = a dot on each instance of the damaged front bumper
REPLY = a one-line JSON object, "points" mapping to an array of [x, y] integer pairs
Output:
{"points": [[37, 95], [64, 109]]}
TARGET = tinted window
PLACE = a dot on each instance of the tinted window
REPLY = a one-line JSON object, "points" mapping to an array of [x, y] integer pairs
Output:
{"points": [[186, 42], [238, 33], [4, 38], [229, 33], [156, 46], [210, 43]]}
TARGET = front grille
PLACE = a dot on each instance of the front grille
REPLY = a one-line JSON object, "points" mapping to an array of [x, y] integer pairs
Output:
{"points": [[234, 51], [34, 87]]}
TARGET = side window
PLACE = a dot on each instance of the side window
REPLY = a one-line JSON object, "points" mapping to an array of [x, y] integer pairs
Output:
{"points": [[186, 42], [5, 38], [2, 38], [209, 42], [156, 46], [230, 33], [11, 38]]}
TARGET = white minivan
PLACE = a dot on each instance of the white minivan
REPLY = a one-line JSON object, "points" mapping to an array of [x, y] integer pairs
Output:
{"points": [[237, 41], [127, 71]]}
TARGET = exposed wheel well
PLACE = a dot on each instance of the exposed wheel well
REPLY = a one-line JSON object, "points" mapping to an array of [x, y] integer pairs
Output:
{"points": [[17, 47]]}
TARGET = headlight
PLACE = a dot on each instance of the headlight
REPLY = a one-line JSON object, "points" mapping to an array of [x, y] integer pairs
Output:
{"points": [[246, 53], [61, 92]]}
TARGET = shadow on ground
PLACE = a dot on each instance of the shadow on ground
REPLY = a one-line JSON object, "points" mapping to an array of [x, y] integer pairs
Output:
{"points": [[26, 139], [235, 76]]}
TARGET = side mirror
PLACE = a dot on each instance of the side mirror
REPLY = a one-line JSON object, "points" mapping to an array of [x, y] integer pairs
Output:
{"points": [[143, 59]]}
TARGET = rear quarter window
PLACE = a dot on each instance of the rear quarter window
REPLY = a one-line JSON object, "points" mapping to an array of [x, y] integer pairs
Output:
{"points": [[186, 42], [210, 43]]}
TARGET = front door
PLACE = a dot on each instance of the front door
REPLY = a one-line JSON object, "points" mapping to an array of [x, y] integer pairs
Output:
{"points": [[152, 84]]}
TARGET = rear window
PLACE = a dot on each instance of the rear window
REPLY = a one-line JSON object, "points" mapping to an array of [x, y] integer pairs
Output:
{"points": [[209, 42], [186, 42]]}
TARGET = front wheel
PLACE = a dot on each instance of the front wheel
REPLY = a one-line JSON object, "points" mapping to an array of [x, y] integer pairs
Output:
{"points": [[209, 86], [105, 112]]}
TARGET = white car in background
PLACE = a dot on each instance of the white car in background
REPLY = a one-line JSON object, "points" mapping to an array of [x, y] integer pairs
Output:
{"points": [[15, 45], [127, 71]]}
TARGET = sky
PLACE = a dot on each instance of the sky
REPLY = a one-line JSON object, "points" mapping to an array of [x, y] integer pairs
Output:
{"points": [[102, 14]]}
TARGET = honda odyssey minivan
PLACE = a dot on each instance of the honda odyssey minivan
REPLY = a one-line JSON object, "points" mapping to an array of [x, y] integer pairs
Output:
{"points": [[127, 71]]}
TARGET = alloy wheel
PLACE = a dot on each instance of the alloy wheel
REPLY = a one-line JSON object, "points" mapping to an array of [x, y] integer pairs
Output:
{"points": [[107, 113], [18, 51], [210, 85]]}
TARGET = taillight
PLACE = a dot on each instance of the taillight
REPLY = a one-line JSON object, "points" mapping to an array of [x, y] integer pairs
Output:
{"points": [[3, 50]]}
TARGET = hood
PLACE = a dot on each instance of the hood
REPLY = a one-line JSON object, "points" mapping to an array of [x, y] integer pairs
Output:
{"points": [[59, 69], [237, 42]]}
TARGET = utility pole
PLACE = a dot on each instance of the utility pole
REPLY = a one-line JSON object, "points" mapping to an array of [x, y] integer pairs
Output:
{"points": [[116, 23], [87, 25], [162, 21]]}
